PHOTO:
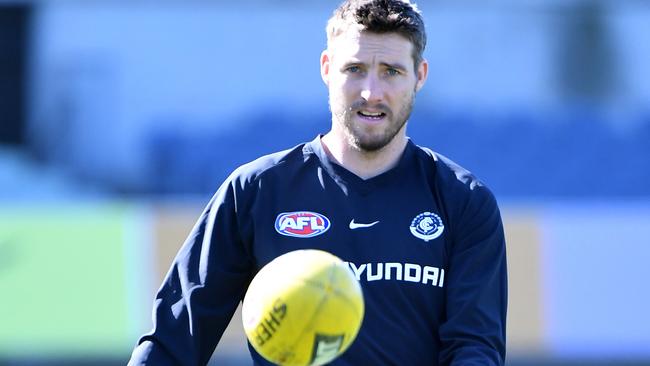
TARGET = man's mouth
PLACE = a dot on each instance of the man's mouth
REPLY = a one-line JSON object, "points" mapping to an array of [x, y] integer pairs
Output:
{"points": [[374, 116]]}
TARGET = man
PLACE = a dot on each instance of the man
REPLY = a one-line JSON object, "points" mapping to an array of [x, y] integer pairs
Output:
{"points": [[423, 236]]}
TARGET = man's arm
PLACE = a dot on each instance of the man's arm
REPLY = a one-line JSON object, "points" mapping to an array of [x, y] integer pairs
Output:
{"points": [[474, 331], [206, 282]]}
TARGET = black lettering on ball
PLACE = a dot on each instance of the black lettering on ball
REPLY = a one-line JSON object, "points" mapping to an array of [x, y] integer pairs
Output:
{"points": [[271, 322]]}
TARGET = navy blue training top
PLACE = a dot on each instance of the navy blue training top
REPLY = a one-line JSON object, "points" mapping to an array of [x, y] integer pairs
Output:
{"points": [[425, 240]]}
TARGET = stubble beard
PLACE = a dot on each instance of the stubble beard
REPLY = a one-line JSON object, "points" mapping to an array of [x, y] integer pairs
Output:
{"points": [[359, 139]]}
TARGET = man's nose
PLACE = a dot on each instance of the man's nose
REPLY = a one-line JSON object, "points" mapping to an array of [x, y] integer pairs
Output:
{"points": [[372, 90]]}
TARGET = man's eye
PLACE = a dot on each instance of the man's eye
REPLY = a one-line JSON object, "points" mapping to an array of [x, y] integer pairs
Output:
{"points": [[392, 72], [353, 69]]}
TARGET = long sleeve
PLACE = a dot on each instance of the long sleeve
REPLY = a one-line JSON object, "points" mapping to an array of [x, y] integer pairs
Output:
{"points": [[200, 293], [476, 299]]}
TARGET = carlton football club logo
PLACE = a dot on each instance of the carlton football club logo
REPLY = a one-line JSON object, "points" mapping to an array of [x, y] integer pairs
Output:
{"points": [[301, 224], [427, 226]]}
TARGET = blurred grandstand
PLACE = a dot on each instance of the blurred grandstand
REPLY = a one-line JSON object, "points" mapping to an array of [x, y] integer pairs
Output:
{"points": [[119, 120], [520, 154]]}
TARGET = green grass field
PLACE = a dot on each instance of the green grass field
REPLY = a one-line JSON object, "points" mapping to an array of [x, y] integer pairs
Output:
{"points": [[62, 281]]}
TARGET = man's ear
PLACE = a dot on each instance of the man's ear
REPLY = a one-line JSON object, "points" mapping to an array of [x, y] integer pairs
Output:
{"points": [[325, 67], [421, 73]]}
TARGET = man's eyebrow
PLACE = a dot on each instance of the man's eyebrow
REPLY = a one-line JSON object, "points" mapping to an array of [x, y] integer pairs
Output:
{"points": [[352, 63], [396, 65]]}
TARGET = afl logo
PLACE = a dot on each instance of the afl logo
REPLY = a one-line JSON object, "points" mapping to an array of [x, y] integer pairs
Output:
{"points": [[427, 226], [301, 224]]}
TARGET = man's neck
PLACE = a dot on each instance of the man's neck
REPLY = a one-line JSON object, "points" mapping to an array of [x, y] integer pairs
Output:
{"points": [[364, 164]]}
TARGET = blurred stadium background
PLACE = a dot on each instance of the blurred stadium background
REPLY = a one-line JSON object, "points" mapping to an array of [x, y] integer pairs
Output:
{"points": [[118, 120]]}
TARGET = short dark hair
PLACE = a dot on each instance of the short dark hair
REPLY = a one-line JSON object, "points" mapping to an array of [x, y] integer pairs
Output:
{"points": [[381, 16]]}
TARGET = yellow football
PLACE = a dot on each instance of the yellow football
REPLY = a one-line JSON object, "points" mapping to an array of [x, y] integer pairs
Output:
{"points": [[303, 308]]}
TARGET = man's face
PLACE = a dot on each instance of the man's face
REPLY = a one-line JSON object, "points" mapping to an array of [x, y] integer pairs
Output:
{"points": [[372, 83]]}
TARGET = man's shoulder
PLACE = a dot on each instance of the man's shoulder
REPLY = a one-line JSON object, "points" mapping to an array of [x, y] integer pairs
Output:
{"points": [[465, 193], [274, 162], [453, 179], [448, 170]]}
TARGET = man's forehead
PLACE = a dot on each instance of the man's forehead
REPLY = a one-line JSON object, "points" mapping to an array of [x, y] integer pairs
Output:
{"points": [[358, 43]]}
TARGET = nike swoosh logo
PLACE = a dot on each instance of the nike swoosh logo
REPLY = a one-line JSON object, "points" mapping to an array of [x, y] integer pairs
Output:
{"points": [[355, 225]]}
